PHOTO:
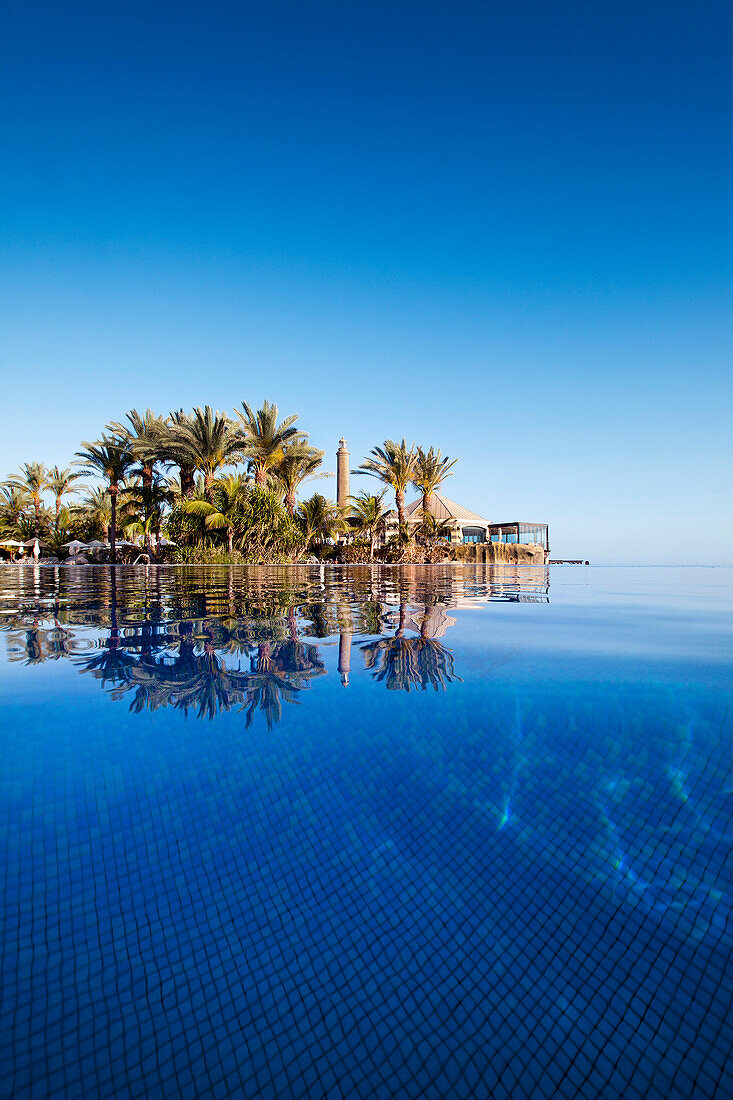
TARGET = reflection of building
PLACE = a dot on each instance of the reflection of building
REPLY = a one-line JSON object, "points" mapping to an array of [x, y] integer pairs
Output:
{"points": [[430, 622], [345, 636]]}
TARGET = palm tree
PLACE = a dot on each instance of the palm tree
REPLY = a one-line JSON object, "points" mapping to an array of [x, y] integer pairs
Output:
{"points": [[110, 458], [263, 440], [224, 510], [370, 516], [266, 528], [299, 463], [33, 481], [61, 533], [176, 445], [143, 507], [13, 503], [60, 483], [208, 439], [144, 433], [394, 465], [96, 506], [431, 529], [320, 519], [431, 470]]}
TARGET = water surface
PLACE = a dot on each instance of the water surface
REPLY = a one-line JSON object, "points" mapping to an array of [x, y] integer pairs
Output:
{"points": [[421, 832]]}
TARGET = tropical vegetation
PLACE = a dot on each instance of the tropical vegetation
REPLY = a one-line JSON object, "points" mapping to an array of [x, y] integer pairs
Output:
{"points": [[205, 485]]}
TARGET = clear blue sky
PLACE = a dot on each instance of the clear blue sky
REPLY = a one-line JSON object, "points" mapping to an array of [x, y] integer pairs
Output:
{"points": [[500, 228]]}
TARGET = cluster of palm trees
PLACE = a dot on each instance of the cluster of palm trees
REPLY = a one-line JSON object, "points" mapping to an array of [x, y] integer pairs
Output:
{"points": [[398, 467], [201, 445], [23, 508], [211, 479]]}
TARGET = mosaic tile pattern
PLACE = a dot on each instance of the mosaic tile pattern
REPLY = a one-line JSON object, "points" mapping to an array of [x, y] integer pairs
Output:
{"points": [[517, 886]]}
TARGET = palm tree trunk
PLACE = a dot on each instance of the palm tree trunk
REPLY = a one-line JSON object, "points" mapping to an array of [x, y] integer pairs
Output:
{"points": [[261, 476], [401, 510], [37, 509], [147, 475], [372, 540], [113, 523], [208, 482], [185, 648], [290, 502], [188, 481], [58, 512], [230, 538], [426, 497]]}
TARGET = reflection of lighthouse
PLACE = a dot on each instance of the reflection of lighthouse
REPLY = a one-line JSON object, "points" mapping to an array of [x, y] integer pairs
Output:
{"points": [[345, 656], [342, 474], [346, 633]]}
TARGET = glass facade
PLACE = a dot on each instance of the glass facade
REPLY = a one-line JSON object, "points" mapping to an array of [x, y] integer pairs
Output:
{"points": [[533, 532], [474, 534], [521, 532]]}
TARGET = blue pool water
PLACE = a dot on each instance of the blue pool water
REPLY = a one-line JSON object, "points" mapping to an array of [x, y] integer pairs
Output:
{"points": [[429, 832]]}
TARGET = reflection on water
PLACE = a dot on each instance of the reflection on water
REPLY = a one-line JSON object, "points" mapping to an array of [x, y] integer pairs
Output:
{"points": [[209, 640], [190, 670], [518, 856], [402, 662]]}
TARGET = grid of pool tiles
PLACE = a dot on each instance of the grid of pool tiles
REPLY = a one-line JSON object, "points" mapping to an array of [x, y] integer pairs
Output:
{"points": [[191, 911]]}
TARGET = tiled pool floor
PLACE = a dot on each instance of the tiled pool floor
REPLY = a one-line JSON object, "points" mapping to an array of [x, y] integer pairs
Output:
{"points": [[460, 833]]}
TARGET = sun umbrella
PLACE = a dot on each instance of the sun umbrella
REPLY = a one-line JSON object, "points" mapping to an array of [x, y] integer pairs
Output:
{"points": [[11, 542], [163, 541], [97, 544], [74, 543]]}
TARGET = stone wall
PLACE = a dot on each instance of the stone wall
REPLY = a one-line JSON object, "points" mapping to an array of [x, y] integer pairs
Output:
{"points": [[496, 552]]}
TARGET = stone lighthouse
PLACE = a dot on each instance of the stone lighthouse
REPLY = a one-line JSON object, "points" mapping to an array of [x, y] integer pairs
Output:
{"points": [[342, 474]]}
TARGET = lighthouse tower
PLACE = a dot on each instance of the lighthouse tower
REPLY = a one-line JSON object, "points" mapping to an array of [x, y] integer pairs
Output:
{"points": [[342, 474]]}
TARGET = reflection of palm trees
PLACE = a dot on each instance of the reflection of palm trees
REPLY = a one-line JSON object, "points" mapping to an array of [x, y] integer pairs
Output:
{"points": [[165, 623], [405, 662], [37, 644], [278, 673], [196, 677], [33, 646]]}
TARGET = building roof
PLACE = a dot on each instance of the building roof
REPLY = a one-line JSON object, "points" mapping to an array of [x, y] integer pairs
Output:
{"points": [[445, 510], [518, 523]]}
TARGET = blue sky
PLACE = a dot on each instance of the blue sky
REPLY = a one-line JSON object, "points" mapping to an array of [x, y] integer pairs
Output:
{"points": [[503, 229]]}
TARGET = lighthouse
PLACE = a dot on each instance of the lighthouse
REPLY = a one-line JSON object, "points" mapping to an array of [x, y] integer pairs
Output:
{"points": [[342, 474]]}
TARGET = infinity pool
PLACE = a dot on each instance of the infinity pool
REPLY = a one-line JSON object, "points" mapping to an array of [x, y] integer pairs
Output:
{"points": [[435, 832]]}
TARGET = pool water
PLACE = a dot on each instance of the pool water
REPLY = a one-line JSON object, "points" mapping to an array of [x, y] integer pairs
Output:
{"points": [[433, 832]]}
